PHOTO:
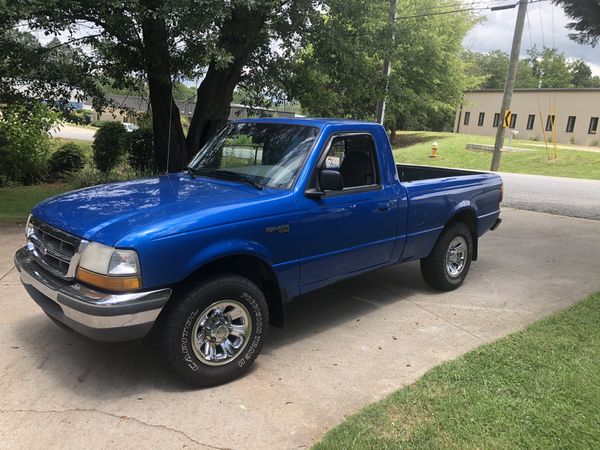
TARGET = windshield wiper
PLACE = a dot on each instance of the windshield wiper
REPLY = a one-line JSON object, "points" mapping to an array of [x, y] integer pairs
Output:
{"points": [[224, 174], [193, 172]]}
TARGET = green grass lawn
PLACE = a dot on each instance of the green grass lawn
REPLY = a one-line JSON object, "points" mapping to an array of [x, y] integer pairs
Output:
{"points": [[16, 202], [415, 148], [538, 388]]}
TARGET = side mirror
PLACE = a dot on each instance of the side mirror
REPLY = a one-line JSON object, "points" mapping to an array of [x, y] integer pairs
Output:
{"points": [[329, 180]]}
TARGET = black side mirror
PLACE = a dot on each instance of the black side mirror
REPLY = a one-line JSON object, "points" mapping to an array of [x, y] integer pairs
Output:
{"points": [[329, 180]]}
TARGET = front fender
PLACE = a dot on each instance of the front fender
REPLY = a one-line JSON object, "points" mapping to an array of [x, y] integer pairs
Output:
{"points": [[222, 249]]}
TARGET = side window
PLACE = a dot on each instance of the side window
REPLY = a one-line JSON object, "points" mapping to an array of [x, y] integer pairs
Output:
{"points": [[354, 157]]}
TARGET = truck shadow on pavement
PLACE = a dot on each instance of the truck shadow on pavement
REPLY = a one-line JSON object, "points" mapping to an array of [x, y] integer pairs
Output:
{"points": [[131, 369]]}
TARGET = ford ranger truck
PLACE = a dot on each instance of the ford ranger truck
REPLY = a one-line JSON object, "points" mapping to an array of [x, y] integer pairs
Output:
{"points": [[268, 210]]}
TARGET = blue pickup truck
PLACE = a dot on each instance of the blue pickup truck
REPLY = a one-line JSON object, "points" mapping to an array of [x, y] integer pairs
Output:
{"points": [[268, 210]]}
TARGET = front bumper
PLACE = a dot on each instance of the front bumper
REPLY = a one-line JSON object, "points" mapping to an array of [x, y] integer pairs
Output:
{"points": [[98, 315]]}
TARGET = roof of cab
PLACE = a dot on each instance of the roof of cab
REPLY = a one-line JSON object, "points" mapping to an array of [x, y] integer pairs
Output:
{"points": [[307, 121]]}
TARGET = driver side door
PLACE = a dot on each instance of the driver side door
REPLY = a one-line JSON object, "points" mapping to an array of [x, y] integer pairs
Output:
{"points": [[352, 229]]}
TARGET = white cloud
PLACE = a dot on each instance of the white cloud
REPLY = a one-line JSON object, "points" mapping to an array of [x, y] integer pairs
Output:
{"points": [[546, 25]]}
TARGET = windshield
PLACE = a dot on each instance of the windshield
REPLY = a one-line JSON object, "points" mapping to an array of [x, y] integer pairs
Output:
{"points": [[264, 154]]}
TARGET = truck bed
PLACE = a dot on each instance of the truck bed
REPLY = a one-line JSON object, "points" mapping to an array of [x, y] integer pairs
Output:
{"points": [[408, 173]]}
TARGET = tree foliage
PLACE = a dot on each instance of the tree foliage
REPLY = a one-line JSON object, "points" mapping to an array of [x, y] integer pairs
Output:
{"points": [[339, 71], [547, 68], [158, 43], [586, 15]]}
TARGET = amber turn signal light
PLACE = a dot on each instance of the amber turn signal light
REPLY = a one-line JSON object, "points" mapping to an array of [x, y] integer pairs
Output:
{"points": [[110, 283]]}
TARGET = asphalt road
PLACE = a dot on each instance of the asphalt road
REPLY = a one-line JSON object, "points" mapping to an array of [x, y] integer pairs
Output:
{"points": [[343, 347], [71, 132], [554, 195]]}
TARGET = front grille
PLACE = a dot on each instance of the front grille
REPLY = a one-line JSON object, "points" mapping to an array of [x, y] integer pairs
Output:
{"points": [[52, 248]]}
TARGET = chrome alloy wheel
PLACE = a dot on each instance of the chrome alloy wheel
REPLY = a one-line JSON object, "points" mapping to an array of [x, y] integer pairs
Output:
{"points": [[456, 256], [221, 332]]}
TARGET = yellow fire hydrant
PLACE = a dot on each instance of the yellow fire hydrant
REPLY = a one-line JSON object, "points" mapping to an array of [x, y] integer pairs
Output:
{"points": [[434, 149]]}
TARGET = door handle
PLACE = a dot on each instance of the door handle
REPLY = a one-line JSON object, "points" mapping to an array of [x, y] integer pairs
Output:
{"points": [[384, 206]]}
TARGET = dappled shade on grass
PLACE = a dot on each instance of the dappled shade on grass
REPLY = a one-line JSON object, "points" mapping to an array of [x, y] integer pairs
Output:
{"points": [[537, 388]]}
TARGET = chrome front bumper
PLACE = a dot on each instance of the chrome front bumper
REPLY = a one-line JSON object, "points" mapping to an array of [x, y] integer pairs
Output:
{"points": [[98, 315]]}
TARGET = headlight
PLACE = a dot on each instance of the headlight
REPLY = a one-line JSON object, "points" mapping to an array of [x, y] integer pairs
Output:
{"points": [[28, 227], [109, 268]]}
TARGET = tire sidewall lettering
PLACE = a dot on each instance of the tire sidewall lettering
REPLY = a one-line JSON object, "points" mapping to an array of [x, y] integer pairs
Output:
{"points": [[190, 359]]}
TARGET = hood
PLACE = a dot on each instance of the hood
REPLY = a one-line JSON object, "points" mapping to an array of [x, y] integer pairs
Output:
{"points": [[162, 206]]}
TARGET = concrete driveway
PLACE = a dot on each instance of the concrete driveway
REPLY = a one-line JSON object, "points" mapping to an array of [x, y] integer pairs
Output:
{"points": [[343, 347]]}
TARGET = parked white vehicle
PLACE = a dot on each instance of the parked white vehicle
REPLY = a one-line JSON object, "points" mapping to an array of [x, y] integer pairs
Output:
{"points": [[129, 127]]}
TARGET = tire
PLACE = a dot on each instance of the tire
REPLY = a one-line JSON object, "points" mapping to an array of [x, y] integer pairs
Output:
{"points": [[213, 358], [446, 270]]}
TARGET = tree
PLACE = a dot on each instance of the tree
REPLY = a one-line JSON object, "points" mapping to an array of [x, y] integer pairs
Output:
{"points": [[581, 75], [547, 68], [550, 67], [586, 15], [163, 42], [338, 72]]}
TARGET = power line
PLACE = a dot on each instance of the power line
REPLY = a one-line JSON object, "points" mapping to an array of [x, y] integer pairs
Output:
{"points": [[474, 8]]}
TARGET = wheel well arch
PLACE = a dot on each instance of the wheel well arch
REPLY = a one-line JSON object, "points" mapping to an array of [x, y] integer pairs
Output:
{"points": [[256, 270], [469, 218]]}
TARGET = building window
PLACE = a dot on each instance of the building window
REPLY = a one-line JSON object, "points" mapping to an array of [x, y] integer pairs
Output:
{"points": [[571, 124], [481, 119], [467, 117], [530, 121], [496, 119], [513, 121], [549, 122], [593, 125]]}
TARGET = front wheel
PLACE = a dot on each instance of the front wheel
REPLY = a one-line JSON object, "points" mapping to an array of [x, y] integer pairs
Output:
{"points": [[449, 262], [213, 331]]}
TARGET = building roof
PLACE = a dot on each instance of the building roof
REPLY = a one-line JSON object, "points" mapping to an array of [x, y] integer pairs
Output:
{"points": [[539, 90]]}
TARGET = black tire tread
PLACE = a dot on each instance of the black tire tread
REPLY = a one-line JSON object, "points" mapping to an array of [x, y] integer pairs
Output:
{"points": [[433, 266]]}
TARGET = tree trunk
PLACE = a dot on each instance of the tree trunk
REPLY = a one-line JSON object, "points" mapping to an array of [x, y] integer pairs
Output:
{"points": [[169, 140], [240, 35]]}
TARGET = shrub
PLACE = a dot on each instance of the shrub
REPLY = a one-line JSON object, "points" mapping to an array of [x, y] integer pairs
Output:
{"points": [[68, 158], [25, 143], [140, 149], [108, 146], [91, 176], [99, 123], [595, 143]]}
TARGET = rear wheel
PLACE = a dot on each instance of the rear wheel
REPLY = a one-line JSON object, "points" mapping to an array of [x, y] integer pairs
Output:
{"points": [[448, 264], [214, 330]]}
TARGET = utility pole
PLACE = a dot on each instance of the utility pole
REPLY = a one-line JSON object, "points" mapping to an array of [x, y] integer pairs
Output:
{"points": [[387, 64], [510, 81]]}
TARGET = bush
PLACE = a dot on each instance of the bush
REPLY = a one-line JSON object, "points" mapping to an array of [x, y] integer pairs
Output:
{"points": [[90, 176], [140, 149], [25, 143], [108, 146], [68, 158], [99, 123]]}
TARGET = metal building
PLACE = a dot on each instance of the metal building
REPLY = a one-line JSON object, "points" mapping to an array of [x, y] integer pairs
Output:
{"points": [[576, 118]]}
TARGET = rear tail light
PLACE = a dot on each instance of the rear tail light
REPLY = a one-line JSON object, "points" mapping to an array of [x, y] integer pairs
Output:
{"points": [[501, 192]]}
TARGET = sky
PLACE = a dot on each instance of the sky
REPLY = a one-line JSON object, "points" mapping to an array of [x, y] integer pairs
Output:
{"points": [[545, 24]]}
